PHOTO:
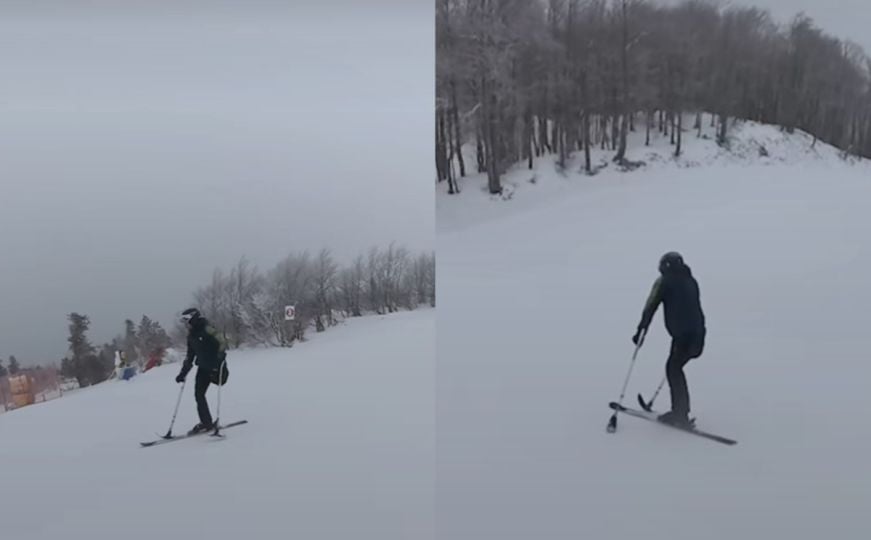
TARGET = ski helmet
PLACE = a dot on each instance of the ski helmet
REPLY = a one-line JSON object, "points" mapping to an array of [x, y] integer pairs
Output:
{"points": [[189, 315], [670, 261]]}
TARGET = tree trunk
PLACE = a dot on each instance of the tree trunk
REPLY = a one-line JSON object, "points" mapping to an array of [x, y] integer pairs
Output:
{"points": [[621, 150], [679, 133], [441, 160], [542, 132], [490, 144], [721, 132], [480, 153], [615, 131], [587, 162], [455, 118], [647, 136], [528, 142]]}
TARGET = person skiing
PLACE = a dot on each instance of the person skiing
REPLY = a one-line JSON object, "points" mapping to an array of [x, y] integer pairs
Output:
{"points": [[207, 348], [678, 291]]}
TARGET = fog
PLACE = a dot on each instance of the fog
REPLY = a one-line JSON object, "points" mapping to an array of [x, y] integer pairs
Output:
{"points": [[142, 147]]}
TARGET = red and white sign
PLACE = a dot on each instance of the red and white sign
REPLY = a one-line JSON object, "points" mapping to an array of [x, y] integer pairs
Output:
{"points": [[289, 313]]}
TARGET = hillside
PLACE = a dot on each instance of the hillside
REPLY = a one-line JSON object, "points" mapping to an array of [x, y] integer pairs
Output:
{"points": [[750, 144], [339, 445], [540, 293]]}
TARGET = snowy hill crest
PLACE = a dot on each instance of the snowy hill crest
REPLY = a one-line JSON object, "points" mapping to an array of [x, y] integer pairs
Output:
{"points": [[748, 144]]}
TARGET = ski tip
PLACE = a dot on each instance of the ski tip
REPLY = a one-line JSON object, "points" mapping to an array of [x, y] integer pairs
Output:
{"points": [[616, 406]]}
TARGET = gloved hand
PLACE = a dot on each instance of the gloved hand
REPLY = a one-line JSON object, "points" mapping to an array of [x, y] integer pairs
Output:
{"points": [[638, 337], [180, 377]]}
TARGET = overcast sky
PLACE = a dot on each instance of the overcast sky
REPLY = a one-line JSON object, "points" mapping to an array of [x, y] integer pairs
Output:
{"points": [[846, 19], [142, 147]]}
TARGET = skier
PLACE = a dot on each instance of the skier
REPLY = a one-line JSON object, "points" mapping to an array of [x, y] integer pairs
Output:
{"points": [[207, 346], [678, 291]]}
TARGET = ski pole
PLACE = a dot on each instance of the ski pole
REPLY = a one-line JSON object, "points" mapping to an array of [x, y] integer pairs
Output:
{"points": [[612, 423], [648, 406], [177, 403]]}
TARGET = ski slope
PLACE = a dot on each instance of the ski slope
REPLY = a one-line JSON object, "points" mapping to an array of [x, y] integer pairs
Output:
{"points": [[541, 292], [339, 445]]}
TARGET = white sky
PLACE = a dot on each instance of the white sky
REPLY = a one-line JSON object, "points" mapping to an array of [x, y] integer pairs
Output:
{"points": [[846, 19], [141, 147]]}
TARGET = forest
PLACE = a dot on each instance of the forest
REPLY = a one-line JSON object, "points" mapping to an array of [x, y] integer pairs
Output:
{"points": [[518, 79]]}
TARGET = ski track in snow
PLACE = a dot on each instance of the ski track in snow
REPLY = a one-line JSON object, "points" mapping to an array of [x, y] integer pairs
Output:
{"points": [[339, 445], [540, 294]]}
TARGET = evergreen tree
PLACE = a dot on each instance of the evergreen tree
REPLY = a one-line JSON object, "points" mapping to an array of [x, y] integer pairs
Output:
{"points": [[14, 367], [85, 364], [153, 339]]}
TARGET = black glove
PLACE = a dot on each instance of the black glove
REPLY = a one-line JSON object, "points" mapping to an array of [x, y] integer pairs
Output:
{"points": [[638, 337], [180, 377]]}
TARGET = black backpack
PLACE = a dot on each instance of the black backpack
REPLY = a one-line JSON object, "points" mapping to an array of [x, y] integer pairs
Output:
{"points": [[220, 376]]}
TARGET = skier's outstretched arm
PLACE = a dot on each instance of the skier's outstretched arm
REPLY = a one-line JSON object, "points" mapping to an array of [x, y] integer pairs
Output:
{"points": [[652, 304]]}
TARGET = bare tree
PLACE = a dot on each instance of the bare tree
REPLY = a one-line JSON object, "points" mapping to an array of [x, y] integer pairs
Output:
{"points": [[326, 271], [249, 306], [518, 79]]}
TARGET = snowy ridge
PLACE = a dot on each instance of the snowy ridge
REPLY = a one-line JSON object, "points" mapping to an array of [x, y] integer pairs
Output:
{"points": [[749, 144]]}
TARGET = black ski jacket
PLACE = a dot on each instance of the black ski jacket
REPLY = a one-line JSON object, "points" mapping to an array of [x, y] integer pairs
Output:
{"points": [[205, 346], [678, 291]]}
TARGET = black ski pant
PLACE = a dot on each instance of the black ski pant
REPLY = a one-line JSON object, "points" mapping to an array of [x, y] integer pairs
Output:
{"points": [[683, 349], [203, 382]]}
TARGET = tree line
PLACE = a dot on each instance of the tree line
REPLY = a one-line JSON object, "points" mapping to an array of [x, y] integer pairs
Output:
{"points": [[89, 364], [519, 79], [13, 369], [247, 306]]}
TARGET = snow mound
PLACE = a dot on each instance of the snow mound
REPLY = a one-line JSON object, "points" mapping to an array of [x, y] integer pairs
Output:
{"points": [[749, 144]]}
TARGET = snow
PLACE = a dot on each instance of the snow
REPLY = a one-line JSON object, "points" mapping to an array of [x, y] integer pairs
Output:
{"points": [[524, 188], [339, 445], [539, 296]]}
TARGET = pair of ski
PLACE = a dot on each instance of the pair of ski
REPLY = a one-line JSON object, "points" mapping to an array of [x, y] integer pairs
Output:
{"points": [[170, 438], [652, 416]]}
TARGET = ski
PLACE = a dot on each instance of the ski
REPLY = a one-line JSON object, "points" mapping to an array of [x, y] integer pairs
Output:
{"points": [[163, 440], [652, 417]]}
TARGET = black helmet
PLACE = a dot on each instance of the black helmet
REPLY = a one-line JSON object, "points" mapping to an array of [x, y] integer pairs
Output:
{"points": [[190, 315], [670, 261]]}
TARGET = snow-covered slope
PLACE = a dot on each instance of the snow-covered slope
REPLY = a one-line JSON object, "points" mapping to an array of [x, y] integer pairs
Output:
{"points": [[339, 445], [539, 296], [750, 144]]}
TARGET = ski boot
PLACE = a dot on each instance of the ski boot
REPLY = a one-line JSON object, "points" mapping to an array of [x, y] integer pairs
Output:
{"points": [[201, 428], [677, 420]]}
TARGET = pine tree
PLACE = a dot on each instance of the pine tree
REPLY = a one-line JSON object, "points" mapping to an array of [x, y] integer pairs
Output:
{"points": [[2, 369], [84, 356], [153, 339], [14, 367]]}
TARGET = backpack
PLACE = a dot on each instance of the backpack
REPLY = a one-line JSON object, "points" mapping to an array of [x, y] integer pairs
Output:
{"points": [[219, 376]]}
